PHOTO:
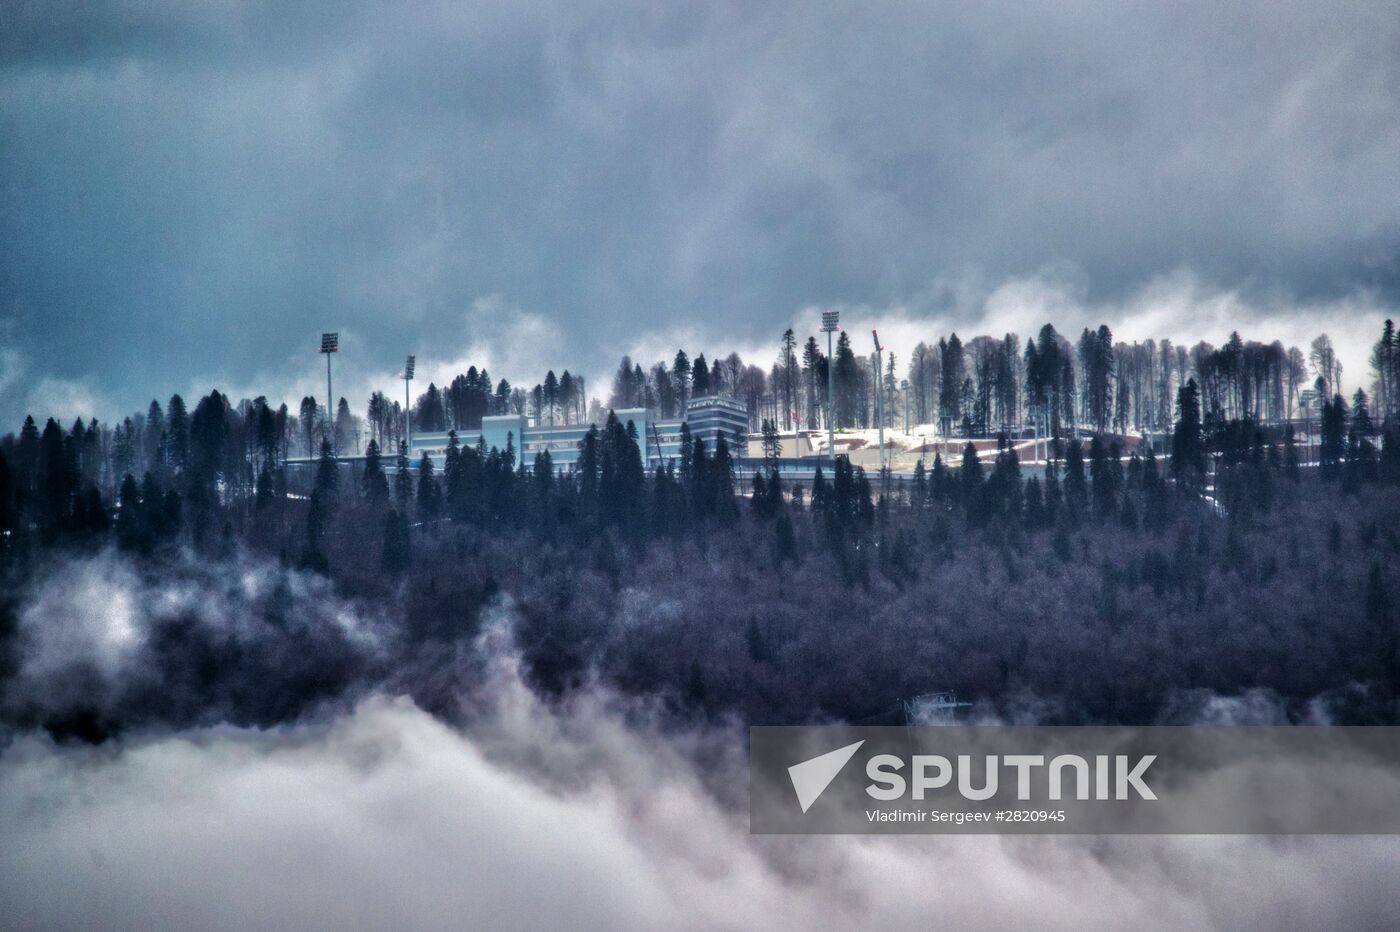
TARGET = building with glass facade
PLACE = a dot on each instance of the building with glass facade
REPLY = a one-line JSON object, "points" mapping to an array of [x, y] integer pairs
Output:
{"points": [[659, 440]]}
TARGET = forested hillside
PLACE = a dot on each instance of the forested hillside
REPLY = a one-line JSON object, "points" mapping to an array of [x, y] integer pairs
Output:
{"points": [[1098, 588]]}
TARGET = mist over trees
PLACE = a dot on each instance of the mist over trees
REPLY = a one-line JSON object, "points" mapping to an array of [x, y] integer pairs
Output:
{"points": [[1216, 551]]}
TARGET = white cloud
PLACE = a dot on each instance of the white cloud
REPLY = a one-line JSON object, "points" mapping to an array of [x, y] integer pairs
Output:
{"points": [[571, 817]]}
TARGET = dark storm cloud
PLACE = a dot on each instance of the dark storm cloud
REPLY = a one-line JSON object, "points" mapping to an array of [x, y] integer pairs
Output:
{"points": [[191, 192]]}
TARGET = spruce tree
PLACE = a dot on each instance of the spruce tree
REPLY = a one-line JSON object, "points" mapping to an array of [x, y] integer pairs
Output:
{"points": [[327, 474], [56, 483], [429, 495], [970, 479], [177, 427], [130, 525], [775, 493], [396, 553], [308, 418], [1332, 443], [722, 479], [819, 489], [374, 485], [1188, 440], [403, 482]]}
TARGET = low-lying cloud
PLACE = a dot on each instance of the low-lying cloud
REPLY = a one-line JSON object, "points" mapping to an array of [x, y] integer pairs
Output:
{"points": [[585, 813]]}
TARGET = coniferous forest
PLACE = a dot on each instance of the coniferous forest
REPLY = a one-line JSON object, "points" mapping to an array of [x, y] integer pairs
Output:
{"points": [[1231, 558]]}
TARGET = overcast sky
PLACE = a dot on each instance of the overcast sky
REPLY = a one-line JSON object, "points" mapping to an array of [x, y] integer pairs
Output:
{"points": [[190, 193]]}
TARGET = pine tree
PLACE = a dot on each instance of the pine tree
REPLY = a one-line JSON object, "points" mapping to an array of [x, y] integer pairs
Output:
{"points": [[680, 373], [775, 493], [344, 428], [1188, 441], [309, 417], [970, 480], [453, 491], [939, 486], [700, 378], [374, 485], [208, 442], [588, 469], [56, 483], [429, 494], [785, 389], [1332, 442], [154, 438], [772, 445], [721, 474], [403, 482], [759, 489], [820, 492], [848, 375], [130, 523], [327, 474], [177, 427]]}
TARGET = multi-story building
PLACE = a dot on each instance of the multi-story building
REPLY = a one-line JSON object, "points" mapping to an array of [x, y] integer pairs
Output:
{"points": [[660, 440], [712, 415]]}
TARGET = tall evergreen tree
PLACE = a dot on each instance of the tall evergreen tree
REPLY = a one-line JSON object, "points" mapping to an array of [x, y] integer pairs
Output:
{"points": [[309, 418], [680, 373], [700, 378], [429, 493], [403, 482], [1188, 439], [373, 483], [177, 428], [1332, 440]]}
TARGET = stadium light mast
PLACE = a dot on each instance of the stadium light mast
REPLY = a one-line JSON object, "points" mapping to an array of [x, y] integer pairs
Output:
{"points": [[880, 394], [407, 408], [330, 343], [830, 324]]}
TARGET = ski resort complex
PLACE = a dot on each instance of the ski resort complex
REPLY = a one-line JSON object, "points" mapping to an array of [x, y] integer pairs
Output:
{"points": [[708, 417]]}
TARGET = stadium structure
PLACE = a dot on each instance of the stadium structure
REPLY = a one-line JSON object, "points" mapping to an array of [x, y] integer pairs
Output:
{"points": [[708, 417]]}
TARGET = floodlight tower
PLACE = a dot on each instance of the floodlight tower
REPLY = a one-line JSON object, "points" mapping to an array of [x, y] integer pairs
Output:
{"points": [[330, 343], [830, 322], [880, 394], [407, 408]]}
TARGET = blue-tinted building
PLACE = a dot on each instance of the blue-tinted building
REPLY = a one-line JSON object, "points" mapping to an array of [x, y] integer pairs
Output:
{"points": [[712, 415], [660, 440]]}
